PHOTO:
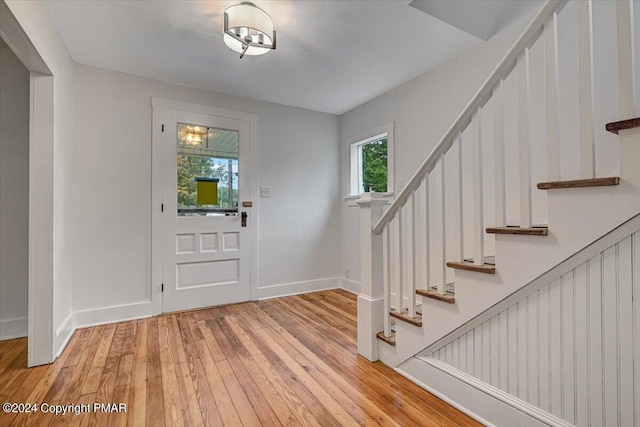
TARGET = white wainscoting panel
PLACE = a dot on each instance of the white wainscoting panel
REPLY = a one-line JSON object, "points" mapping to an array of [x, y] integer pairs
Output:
{"points": [[569, 346]]}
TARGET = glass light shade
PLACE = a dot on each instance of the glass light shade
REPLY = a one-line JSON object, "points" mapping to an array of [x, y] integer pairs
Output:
{"points": [[193, 139], [247, 24], [191, 135]]}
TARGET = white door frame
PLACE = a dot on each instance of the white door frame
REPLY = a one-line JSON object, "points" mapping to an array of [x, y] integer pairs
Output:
{"points": [[159, 107], [41, 195]]}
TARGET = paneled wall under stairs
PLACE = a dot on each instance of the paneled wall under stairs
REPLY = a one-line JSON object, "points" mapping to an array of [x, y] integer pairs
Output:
{"points": [[569, 343]]}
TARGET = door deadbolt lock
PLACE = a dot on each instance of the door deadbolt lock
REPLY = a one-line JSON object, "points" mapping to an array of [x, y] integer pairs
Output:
{"points": [[243, 216]]}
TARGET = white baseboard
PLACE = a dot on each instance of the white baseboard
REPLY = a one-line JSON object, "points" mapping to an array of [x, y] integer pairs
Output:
{"points": [[488, 405], [113, 314], [350, 285], [63, 334], [295, 288], [13, 328]]}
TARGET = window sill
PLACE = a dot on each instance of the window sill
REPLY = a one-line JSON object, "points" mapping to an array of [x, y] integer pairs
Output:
{"points": [[351, 200]]}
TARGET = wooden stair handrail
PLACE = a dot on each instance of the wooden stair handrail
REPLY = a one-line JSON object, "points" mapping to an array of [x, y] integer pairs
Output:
{"points": [[504, 68]]}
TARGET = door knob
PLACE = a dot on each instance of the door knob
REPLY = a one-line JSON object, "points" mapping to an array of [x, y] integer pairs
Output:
{"points": [[244, 219]]}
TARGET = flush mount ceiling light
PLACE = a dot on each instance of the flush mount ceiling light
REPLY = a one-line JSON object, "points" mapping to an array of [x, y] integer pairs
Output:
{"points": [[248, 30]]}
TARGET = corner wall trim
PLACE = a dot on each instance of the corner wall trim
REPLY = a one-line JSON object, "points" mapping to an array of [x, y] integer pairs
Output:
{"points": [[113, 314], [350, 285], [63, 334], [13, 328], [295, 288]]}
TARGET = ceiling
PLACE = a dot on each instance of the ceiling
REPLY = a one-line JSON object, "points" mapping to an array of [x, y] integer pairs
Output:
{"points": [[332, 55]]}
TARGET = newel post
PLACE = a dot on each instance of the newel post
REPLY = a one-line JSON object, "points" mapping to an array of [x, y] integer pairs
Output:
{"points": [[370, 300]]}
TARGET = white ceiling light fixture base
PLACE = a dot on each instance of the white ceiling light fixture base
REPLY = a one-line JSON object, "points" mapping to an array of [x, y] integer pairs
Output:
{"points": [[248, 30]]}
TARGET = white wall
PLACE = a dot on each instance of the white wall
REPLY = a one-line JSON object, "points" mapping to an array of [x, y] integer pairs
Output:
{"points": [[298, 159], [35, 21], [14, 195]]}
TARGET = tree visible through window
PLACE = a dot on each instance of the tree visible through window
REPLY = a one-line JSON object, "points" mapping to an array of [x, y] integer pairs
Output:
{"points": [[192, 167], [374, 166], [371, 159], [206, 154]]}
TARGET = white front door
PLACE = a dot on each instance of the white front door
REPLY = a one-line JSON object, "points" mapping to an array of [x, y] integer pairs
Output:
{"points": [[206, 242]]}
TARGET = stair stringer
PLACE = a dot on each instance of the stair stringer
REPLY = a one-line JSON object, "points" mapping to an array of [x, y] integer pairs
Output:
{"points": [[560, 350], [577, 218]]}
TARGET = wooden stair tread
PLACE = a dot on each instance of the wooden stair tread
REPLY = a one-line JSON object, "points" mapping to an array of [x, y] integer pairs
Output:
{"points": [[580, 183], [533, 231], [391, 339], [434, 294], [615, 127], [487, 268], [404, 316]]}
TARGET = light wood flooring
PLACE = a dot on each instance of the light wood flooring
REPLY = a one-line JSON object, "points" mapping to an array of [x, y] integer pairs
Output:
{"points": [[289, 361]]}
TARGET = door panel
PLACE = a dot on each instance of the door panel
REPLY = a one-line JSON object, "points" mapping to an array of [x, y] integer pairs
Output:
{"points": [[206, 258]]}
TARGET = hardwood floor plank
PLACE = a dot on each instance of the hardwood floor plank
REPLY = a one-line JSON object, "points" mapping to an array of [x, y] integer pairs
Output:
{"points": [[259, 402], [221, 396], [14, 348], [300, 373], [92, 380], [82, 419], [364, 373], [211, 342], [155, 400], [36, 375], [138, 396], [81, 336], [359, 406], [284, 362], [83, 365], [291, 398], [107, 383], [122, 389], [288, 376], [241, 402], [186, 389], [232, 347], [171, 397], [16, 373], [207, 403]]}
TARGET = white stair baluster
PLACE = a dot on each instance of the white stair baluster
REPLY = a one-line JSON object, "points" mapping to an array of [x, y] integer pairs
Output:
{"points": [[499, 166], [585, 84], [626, 59], [551, 76], [411, 271], [460, 200], [398, 264], [386, 263], [427, 253], [478, 206], [524, 143], [442, 286]]}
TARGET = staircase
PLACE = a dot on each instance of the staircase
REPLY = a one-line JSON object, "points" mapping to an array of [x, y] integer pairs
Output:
{"points": [[451, 252]]}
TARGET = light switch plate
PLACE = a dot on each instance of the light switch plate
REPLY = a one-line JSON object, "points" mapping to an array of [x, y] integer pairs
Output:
{"points": [[265, 192]]}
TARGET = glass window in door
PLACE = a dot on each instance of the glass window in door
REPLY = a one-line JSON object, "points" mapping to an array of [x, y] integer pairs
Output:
{"points": [[207, 165]]}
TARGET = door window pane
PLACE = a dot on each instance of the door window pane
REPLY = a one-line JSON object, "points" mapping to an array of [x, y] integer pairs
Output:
{"points": [[207, 168]]}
